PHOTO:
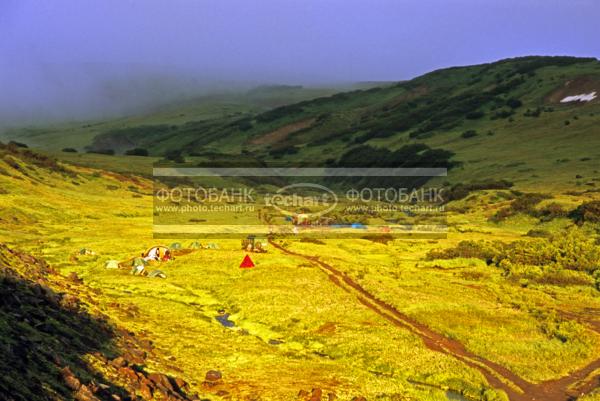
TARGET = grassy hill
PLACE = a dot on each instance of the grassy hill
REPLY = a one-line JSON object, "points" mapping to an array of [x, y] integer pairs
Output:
{"points": [[503, 120], [228, 105]]}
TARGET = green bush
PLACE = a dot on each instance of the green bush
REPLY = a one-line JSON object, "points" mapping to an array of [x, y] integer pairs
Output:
{"points": [[175, 156], [475, 115], [469, 134], [514, 103], [102, 151], [533, 113], [466, 249], [137, 152], [502, 113], [526, 204], [551, 211], [570, 257], [461, 191], [17, 144], [586, 212]]}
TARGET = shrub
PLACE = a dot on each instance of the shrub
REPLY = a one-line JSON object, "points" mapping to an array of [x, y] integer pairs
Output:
{"points": [[586, 212], [379, 238], [175, 156], [279, 112], [286, 150], [466, 249], [551, 211], [244, 124], [15, 153], [137, 152], [17, 144], [502, 113], [525, 203], [571, 249], [414, 155], [102, 151], [69, 150], [475, 115], [574, 250], [469, 134], [533, 113], [538, 234], [514, 103], [461, 191]]}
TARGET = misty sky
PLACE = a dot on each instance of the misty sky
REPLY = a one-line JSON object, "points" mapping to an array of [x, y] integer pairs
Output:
{"points": [[64, 58]]}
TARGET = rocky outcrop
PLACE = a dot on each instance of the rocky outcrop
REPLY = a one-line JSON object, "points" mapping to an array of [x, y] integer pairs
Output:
{"points": [[54, 346]]}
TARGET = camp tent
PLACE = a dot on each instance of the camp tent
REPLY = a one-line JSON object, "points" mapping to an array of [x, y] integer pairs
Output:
{"points": [[157, 273], [175, 245], [138, 262], [195, 245], [86, 251], [155, 253], [253, 244], [212, 245], [301, 219], [112, 264], [138, 270]]}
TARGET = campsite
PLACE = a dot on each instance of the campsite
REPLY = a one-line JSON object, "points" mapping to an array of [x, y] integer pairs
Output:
{"points": [[309, 201], [303, 308]]}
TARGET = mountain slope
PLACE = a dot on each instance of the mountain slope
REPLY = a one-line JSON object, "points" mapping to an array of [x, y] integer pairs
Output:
{"points": [[58, 345], [503, 120]]}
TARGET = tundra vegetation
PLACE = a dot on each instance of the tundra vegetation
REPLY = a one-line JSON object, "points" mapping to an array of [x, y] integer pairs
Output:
{"points": [[506, 306]]}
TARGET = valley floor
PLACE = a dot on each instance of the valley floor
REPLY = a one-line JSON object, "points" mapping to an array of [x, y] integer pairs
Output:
{"points": [[351, 317]]}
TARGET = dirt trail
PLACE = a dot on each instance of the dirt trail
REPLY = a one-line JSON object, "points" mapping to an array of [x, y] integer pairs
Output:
{"points": [[563, 389]]}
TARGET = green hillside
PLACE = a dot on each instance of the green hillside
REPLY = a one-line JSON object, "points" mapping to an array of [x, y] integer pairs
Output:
{"points": [[503, 120], [231, 105]]}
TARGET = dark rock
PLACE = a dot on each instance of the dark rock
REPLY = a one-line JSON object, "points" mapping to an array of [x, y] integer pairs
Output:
{"points": [[331, 397], [100, 356], [69, 378], [213, 376], [74, 278], [85, 394], [146, 391], [179, 383], [135, 356], [69, 301], [119, 362], [316, 394], [128, 373], [161, 380]]}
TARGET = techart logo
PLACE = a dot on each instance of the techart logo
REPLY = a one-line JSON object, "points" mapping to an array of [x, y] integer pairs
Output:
{"points": [[311, 200]]}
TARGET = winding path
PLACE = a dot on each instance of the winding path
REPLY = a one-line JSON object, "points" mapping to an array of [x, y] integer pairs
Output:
{"points": [[518, 389]]}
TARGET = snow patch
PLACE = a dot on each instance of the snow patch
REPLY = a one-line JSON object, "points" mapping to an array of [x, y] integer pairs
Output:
{"points": [[586, 97]]}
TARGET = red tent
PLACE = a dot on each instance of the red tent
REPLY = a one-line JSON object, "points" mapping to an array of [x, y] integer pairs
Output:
{"points": [[247, 263]]}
